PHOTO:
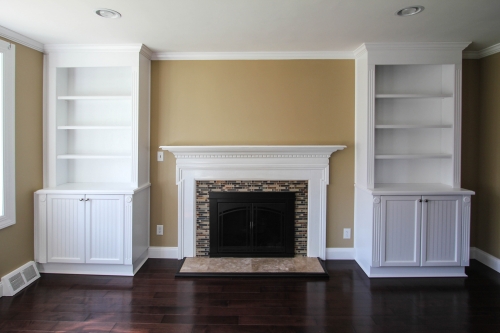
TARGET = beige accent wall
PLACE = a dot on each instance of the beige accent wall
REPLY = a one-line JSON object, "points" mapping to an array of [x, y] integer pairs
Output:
{"points": [[488, 194], [267, 102], [470, 136], [16, 241]]}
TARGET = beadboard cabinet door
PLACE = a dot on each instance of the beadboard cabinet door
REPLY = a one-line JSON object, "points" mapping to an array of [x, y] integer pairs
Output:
{"points": [[441, 230], [104, 224], [400, 234], [65, 228]]}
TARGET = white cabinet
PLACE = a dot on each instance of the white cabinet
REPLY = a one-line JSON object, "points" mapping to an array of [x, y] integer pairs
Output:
{"points": [[400, 231], [442, 231], [104, 229], [408, 141], [421, 231], [85, 228], [65, 228], [96, 161]]}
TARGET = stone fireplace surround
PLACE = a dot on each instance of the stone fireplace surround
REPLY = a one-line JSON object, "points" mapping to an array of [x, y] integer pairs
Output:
{"points": [[204, 187], [304, 163]]}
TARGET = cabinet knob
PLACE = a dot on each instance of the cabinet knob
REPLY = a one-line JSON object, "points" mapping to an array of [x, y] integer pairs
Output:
{"points": [[419, 200], [426, 200], [81, 199], [87, 199]]}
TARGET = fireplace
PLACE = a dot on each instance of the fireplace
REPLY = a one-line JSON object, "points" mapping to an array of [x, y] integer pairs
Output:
{"points": [[252, 163], [204, 188], [252, 224]]}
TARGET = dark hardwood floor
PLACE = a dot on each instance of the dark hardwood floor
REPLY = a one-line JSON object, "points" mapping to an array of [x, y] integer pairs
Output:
{"points": [[155, 301]]}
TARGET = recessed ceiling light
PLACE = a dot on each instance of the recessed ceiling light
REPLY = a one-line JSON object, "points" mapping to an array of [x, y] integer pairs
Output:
{"points": [[409, 11], [108, 13]]}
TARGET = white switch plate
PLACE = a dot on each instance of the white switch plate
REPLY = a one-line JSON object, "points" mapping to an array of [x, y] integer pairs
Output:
{"points": [[347, 233], [159, 230], [160, 156]]}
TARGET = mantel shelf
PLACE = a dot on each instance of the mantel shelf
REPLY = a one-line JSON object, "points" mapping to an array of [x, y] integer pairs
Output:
{"points": [[410, 156], [105, 97], [318, 151], [395, 96], [405, 126]]}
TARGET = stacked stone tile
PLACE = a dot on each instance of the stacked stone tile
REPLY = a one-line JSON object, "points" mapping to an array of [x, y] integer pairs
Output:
{"points": [[203, 188]]}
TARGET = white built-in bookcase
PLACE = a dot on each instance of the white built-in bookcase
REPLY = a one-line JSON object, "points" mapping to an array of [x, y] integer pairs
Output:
{"points": [[411, 216], [97, 117], [408, 114], [414, 141], [92, 216], [94, 125]]}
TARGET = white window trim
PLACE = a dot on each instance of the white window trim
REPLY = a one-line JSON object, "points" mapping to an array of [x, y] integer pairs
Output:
{"points": [[9, 177]]}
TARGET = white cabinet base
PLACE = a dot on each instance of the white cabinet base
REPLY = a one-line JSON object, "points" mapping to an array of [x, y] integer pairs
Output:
{"points": [[94, 269], [399, 272]]}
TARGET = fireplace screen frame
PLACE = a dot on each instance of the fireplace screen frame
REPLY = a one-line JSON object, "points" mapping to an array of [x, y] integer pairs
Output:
{"points": [[249, 205]]}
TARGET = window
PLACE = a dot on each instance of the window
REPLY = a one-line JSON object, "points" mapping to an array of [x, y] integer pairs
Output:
{"points": [[7, 137]]}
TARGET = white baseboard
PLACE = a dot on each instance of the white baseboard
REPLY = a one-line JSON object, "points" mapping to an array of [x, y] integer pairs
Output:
{"points": [[485, 258], [159, 252], [339, 253]]}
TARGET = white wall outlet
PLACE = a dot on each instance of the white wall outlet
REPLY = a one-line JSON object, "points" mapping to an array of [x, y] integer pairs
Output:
{"points": [[159, 156], [159, 230], [347, 233]]}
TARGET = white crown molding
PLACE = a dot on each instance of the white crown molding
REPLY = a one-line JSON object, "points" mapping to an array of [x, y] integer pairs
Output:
{"points": [[252, 55], [21, 39], [489, 50], [54, 48], [482, 53], [470, 55], [415, 46], [146, 51]]}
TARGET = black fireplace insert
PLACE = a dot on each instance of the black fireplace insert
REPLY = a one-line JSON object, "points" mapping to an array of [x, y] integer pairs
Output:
{"points": [[252, 224]]}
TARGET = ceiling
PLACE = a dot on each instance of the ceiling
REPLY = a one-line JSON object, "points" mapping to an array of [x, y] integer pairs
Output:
{"points": [[253, 25]]}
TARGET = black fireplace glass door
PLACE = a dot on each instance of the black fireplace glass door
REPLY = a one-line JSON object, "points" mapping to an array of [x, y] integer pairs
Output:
{"points": [[269, 227], [234, 227], [252, 224]]}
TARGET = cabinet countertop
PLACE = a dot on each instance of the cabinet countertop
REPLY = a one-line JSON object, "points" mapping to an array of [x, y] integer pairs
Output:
{"points": [[415, 189]]}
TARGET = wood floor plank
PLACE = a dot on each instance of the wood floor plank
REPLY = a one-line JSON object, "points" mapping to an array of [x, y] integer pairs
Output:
{"points": [[155, 301]]}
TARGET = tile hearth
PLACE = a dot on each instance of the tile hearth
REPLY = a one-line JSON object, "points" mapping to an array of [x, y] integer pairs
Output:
{"points": [[251, 265]]}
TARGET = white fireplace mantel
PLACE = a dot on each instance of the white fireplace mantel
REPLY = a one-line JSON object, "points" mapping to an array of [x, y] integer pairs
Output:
{"points": [[310, 163]]}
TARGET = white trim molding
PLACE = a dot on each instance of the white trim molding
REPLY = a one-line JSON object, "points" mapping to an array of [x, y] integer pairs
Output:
{"points": [[21, 39], [141, 48], [7, 112], [309, 163], [485, 258], [340, 253], [482, 53], [158, 252], [253, 55]]}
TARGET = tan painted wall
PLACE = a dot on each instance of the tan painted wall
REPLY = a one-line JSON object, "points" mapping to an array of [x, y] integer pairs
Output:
{"points": [[488, 195], [288, 102], [470, 135], [16, 242]]}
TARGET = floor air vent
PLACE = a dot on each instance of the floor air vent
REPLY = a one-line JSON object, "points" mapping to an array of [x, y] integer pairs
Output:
{"points": [[19, 279]]}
